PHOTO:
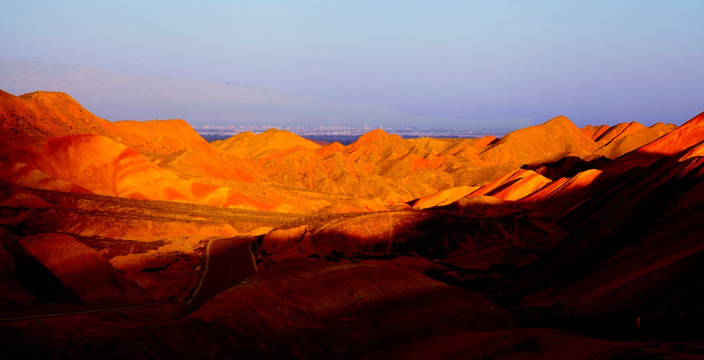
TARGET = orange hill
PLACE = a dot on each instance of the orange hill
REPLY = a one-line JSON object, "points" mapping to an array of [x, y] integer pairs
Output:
{"points": [[250, 145], [167, 160], [105, 167], [550, 141]]}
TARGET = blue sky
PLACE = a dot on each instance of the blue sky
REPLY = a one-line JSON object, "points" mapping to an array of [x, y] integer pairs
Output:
{"points": [[593, 61]]}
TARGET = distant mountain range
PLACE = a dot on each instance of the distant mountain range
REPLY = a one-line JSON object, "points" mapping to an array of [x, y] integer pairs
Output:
{"points": [[117, 96]]}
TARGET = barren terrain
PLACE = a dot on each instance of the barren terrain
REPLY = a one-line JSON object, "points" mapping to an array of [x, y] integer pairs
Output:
{"points": [[141, 239]]}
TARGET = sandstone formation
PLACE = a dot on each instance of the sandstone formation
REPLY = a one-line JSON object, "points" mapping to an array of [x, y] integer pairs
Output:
{"points": [[546, 240]]}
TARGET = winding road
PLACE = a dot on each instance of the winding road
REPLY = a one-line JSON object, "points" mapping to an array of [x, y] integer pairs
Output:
{"points": [[229, 261]]}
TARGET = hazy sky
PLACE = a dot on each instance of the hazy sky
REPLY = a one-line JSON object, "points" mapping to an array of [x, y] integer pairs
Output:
{"points": [[594, 61]]}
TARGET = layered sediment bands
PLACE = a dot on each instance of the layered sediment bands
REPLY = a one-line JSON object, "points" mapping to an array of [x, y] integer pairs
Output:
{"points": [[444, 197], [619, 131], [28, 176], [689, 135], [516, 246], [631, 140], [380, 167], [105, 167], [82, 269], [594, 132], [555, 139]]}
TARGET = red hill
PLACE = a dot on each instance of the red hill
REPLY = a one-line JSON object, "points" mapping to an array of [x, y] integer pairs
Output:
{"points": [[550, 141], [250, 145], [628, 141], [166, 136], [688, 135], [82, 269], [594, 132], [105, 167], [351, 251]]}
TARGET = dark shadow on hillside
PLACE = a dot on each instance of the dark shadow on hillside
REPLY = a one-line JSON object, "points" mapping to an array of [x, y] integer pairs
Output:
{"points": [[566, 167], [619, 213]]}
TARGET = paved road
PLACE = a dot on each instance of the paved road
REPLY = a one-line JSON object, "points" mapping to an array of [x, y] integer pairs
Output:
{"points": [[229, 261]]}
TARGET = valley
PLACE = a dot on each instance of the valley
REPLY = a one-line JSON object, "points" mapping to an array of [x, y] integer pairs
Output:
{"points": [[548, 239]]}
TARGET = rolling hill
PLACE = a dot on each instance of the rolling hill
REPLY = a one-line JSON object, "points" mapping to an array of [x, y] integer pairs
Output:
{"points": [[550, 239]]}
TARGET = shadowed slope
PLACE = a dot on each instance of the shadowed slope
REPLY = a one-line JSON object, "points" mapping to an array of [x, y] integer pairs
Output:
{"points": [[352, 307], [618, 131], [688, 135], [594, 132], [514, 185], [444, 197], [24, 280], [633, 250], [570, 244], [14, 196], [82, 269], [470, 241], [630, 139]]}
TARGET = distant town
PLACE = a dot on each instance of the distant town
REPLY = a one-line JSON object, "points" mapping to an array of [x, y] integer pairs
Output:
{"points": [[342, 134]]}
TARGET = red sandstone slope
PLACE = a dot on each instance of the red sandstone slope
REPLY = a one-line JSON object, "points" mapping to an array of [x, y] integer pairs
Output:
{"points": [[105, 167], [594, 132], [175, 146], [24, 280], [610, 243], [41, 115], [166, 136], [514, 185], [318, 309], [629, 141], [471, 241], [687, 136], [444, 197], [28, 176], [35, 117], [82, 269], [11, 288], [29, 120], [250, 145], [550, 141], [13, 196], [618, 131], [377, 166], [634, 248]]}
